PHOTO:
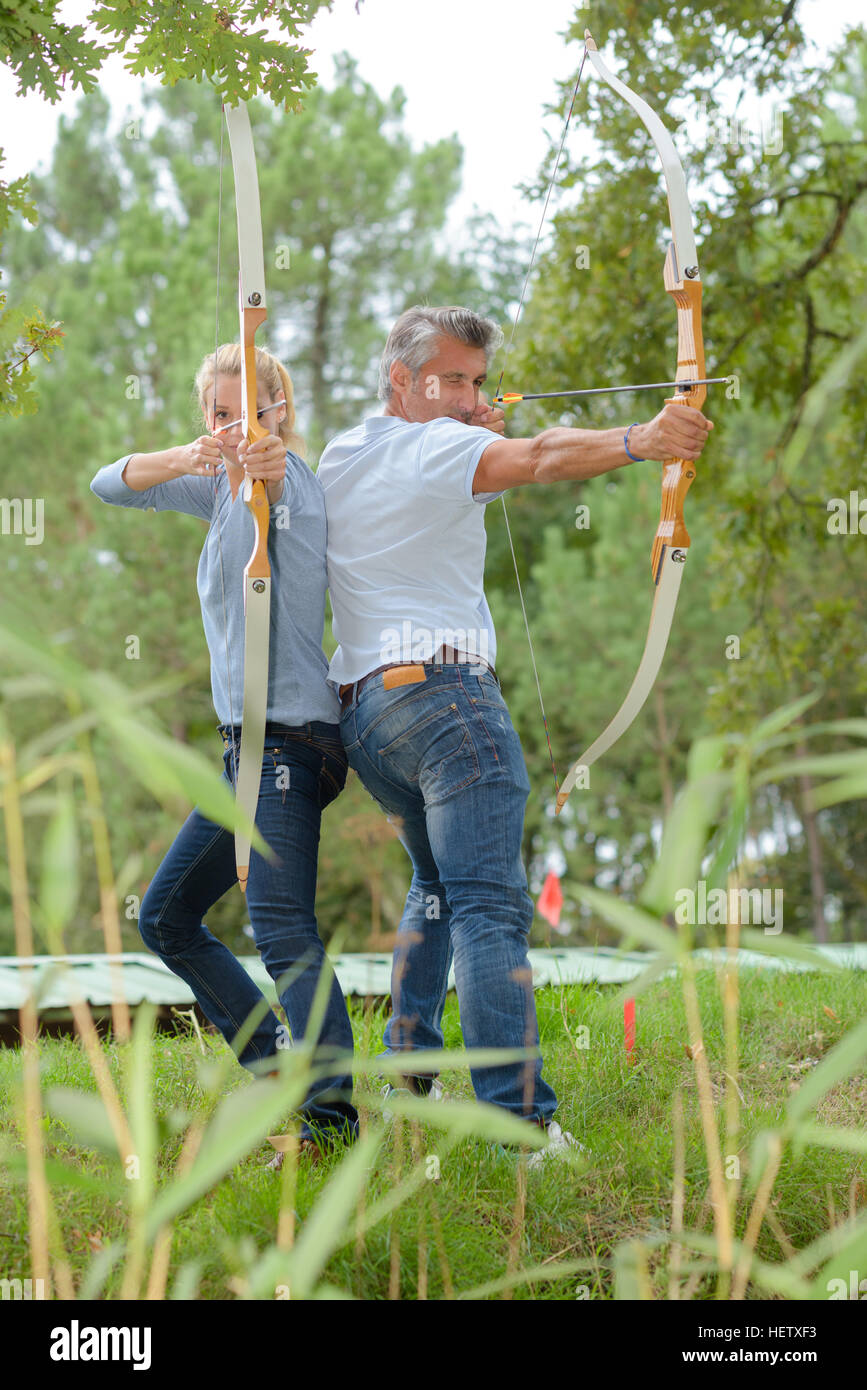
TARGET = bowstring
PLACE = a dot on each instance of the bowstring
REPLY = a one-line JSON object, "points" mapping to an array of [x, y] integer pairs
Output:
{"points": [[216, 471], [499, 392]]}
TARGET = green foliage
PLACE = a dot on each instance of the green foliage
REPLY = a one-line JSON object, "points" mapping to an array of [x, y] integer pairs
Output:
{"points": [[166, 1152], [14, 197], [130, 223], [208, 42], [582, 1228], [44, 52], [353, 219], [23, 335], [772, 599], [51, 778]]}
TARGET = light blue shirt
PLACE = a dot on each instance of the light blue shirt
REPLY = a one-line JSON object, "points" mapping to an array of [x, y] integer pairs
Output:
{"points": [[406, 543], [298, 690]]}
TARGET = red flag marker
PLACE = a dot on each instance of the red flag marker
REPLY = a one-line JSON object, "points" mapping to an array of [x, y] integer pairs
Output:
{"points": [[629, 1028], [550, 900]]}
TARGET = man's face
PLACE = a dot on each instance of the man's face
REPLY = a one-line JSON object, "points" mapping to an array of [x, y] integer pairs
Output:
{"points": [[447, 386]]}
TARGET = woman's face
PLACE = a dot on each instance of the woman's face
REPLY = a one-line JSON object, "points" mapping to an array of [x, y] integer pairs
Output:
{"points": [[223, 413]]}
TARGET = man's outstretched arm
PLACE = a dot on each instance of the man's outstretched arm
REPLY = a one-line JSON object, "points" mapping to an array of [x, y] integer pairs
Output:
{"points": [[558, 455]]}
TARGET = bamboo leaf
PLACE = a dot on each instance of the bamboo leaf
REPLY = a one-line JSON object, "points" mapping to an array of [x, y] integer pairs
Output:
{"points": [[847, 1266], [846, 1057], [535, 1274], [86, 1116], [787, 948], [826, 1246], [142, 1115], [99, 1269], [781, 1279], [186, 1282], [780, 718], [632, 921], [331, 1222], [471, 1119], [60, 880], [433, 1060], [816, 765], [684, 841], [844, 789], [631, 1276], [659, 966], [241, 1122], [831, 1137]]}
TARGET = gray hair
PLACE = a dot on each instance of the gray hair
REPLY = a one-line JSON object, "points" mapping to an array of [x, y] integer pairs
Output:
{"points": [[413, 338]]}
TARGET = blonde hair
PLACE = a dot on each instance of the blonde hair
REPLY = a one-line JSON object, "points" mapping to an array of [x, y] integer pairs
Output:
{"points": [[270, 374]]}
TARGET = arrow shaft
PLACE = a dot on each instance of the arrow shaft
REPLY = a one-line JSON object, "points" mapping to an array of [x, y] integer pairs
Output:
{"points": [[240, 420], [513, 397]]}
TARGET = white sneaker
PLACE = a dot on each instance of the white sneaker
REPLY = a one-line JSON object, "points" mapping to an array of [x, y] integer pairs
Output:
{"points": [[387, 1091], [560, 1142]]}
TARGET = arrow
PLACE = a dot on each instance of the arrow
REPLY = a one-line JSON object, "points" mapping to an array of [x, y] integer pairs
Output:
{"points": [[512, 397]]}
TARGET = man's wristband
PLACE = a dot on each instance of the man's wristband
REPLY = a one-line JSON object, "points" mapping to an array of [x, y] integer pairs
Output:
{"points": [[626, 444]]}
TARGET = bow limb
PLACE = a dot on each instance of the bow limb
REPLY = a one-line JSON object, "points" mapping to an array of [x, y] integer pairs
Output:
{"points": [[671, 542], [257, 573]]}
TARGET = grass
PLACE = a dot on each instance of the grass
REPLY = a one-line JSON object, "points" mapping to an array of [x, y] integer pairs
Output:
{"points": [[484, 1220]]}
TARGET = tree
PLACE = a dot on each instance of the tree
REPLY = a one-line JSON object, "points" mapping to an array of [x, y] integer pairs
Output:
{"points": [[208, 42]]}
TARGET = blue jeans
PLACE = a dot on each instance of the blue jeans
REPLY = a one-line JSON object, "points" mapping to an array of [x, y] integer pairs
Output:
{"points": [[444, 761], [200, 867]]}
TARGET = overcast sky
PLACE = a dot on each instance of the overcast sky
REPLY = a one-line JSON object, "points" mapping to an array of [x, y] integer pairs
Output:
{"points": [[481, 68]]}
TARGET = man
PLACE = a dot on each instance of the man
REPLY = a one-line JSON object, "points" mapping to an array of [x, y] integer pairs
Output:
{"points": [[423, 721]]}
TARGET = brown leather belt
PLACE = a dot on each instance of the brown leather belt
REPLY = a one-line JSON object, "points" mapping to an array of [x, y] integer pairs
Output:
{"points": [[411, 672]]}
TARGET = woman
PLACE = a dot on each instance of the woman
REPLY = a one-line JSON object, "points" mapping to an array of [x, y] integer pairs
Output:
{"points": [[304, 766]]}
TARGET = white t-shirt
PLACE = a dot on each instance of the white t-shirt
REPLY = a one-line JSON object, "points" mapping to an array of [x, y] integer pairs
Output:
{"points": [[406, 543]]}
